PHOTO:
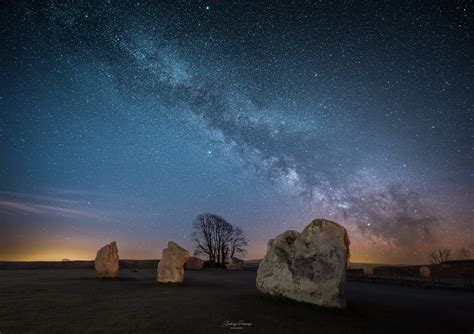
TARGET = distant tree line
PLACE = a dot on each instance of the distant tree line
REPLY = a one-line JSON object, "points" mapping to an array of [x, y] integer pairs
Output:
{"points": [[441, 255]]}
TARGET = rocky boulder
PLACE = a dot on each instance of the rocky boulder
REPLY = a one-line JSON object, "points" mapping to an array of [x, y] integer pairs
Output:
{"points": [[308, 266], [171, 265], [425, 271], [107, 261], [194, 263], [368, 269], [235, 264]]}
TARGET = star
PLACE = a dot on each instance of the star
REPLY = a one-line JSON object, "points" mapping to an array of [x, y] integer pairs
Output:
{"points": [[129, 122]]}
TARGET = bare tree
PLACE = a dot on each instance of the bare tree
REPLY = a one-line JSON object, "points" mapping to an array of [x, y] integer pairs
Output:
{"points": [[440, 255], [219, 240], [238, 242], [464, 254]]}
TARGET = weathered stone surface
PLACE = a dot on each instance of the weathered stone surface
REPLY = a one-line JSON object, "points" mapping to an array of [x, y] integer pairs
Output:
{"points": [[107, 261], [194, 263], [171, 265], [308, 266], [368, 269], [425, 271], [235, 264]]}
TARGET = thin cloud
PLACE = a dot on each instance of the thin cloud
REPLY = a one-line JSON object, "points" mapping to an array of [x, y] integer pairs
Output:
{"points": [[22, 207]]}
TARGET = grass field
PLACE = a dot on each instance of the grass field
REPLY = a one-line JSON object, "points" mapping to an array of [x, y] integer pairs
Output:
{"points": [[74, 301]]}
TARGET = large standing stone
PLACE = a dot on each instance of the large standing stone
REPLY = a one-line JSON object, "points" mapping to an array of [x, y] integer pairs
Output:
{"points": [[194, 263], [235, 264], [308, 266], [171, 266], [107, 261]]}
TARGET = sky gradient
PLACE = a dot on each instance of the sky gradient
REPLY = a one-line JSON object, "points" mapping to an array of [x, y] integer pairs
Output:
{"points": [[125, 120]]}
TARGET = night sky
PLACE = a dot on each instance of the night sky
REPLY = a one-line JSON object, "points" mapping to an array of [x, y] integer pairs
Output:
{"points": [[125, 120]]}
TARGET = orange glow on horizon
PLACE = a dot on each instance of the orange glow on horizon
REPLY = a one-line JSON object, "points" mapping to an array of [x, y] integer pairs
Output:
{"points": [[362, 250], [87, 254]]}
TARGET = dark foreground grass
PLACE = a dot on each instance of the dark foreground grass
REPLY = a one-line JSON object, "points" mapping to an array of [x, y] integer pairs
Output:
{"points": [[74, 301]]}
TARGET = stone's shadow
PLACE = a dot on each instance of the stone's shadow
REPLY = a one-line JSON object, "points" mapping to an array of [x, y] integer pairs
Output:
{"points": [[285, 300]]}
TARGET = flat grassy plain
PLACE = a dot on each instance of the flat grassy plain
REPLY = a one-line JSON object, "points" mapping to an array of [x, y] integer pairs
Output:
{"points": [[74, 301]]}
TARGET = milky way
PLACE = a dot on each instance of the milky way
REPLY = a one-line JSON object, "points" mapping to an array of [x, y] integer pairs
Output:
{"points": [[124, 120]]}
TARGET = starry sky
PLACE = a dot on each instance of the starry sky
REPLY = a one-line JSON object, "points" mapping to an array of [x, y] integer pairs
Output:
{"points": [[125, 120]]}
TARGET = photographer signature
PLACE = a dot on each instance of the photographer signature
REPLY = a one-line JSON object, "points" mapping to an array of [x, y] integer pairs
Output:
{"points": [[239, 324]]}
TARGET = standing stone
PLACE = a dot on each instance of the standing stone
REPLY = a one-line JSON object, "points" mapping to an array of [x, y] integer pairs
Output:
{"points": [[425, 271], [194, 263], [368, 269], [107, 261], [235, 264], [308, 266], [171, 265]]}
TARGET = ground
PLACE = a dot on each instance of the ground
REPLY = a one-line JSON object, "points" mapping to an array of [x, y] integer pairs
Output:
{"points": [[74, 301]]}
